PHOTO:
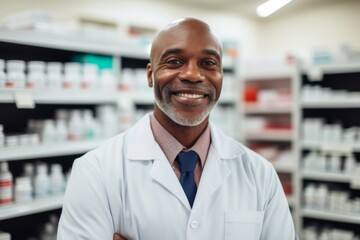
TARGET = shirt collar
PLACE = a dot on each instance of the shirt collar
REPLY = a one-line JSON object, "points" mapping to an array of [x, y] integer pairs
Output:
{"points": [[171, 146]]}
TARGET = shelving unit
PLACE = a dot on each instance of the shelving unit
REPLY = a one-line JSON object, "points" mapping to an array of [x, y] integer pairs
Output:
{"points": [[35, 206], [338, 103], [269, 96], [50, 47]]}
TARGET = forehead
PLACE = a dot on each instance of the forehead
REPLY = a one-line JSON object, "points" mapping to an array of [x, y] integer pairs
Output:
{"points": [[188, 37]]}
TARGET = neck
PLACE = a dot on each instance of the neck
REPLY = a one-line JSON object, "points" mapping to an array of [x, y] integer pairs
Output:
{"points": [[186, 135]]}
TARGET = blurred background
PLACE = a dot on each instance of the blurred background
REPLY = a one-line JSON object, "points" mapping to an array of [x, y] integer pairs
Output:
{"points": [[73, 73]]}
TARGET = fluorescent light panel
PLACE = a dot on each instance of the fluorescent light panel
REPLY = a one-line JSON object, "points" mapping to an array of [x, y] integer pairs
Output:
{"points": [[270, 7]]}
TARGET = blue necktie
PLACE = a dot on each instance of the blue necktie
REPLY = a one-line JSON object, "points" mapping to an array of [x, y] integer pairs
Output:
{"points": [[187, 162]]}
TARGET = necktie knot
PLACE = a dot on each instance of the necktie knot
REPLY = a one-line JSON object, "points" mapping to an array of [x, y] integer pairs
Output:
{"points": [[187, 161]]}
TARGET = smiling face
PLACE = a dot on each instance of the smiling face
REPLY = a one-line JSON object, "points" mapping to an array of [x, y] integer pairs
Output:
{"points": [[186, 72]]}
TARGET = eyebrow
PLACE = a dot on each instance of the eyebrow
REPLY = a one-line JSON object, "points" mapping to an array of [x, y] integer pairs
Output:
{"points": [[179, 50]]}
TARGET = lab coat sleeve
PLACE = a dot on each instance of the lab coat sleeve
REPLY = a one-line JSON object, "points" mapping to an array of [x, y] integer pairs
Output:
{"points": [[278, 223], [85, 213]]}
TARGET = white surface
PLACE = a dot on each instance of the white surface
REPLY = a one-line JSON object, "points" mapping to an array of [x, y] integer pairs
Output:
{"points": [[34, 206], [74, 43], [326, 176], [331, 147], [270, 136], [331, 216], [331, 103], [47, 150], [61, 96], [267, 109]]}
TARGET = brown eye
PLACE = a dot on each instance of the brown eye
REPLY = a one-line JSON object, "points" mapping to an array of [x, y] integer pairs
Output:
{"points": [[174, 61]]}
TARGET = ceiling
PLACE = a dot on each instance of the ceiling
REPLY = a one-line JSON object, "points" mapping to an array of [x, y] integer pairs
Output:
{"points": [[248, 7]]}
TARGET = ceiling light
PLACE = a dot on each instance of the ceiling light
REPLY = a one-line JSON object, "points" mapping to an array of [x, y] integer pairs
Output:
{"points": [[270, 7]]}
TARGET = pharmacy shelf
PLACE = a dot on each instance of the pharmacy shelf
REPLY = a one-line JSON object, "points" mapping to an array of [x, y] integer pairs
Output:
{"points": [[47, 150], [331, 216], [76, 42], [46, 96], [332, 103], [327, 176], [256, 108], [334, 68], [31, 207], [338, 147], [270, 135]]}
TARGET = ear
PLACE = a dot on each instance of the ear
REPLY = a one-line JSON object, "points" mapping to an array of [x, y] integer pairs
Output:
{"points": [[149, 75]]}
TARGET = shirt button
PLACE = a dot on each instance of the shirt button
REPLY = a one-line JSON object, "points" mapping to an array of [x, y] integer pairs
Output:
{"points": [[195, 224]]}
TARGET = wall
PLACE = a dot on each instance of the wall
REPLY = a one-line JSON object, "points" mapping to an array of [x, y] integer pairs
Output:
{"points": [[148, 13], [322, 27]]}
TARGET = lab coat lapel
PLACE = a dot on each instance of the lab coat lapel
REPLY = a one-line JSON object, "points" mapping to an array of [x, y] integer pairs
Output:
{"points": [[162, 172], [213, 176]]}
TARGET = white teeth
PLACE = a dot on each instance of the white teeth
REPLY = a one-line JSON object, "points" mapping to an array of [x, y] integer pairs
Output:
{"points": [[188, 95]]}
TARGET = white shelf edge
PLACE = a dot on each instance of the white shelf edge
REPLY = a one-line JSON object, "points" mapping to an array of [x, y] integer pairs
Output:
{"points": [[75, 42], [47, 96], [332, 216], [331, 103], [268, 75], [269, 136], [345, 148], [267, 109], [31, 207], [47, 150], [334, 68], [284, 167], [332, 177]]}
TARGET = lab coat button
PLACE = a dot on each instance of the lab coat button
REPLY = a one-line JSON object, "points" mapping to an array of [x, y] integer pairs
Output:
{"points": [[195, 224]]}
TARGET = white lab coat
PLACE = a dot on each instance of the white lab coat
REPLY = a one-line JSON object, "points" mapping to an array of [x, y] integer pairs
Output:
{"points": [[128, 186]]}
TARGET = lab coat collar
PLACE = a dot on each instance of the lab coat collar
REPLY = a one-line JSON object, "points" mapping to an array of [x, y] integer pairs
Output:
{"points": [[224, 146]]}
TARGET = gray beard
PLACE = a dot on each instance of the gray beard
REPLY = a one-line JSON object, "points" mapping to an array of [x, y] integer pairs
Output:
{"points": [[169, 111]]}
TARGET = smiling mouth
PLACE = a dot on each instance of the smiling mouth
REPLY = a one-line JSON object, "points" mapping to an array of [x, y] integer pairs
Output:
{"points": [[190, 95]]}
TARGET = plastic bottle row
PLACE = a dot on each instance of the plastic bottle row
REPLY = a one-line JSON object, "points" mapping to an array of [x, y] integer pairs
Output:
{"points": [[35, 182], [70, 125], [312, 232], [334, 163], [315, 93], [18, 74], [315, 130], [319, 197]]}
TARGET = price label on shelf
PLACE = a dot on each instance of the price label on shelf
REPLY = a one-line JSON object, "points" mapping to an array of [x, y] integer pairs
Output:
{"points": [[24, 100]]}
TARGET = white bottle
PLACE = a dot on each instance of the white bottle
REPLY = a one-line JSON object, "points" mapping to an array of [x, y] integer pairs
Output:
{"points": [[2, 136], [321, 197], [6, 184], [107, 80], [2, 74], [36, 75], [61, 130], [90, 76], [42, 181], [23, 189], [72, 77], [49, 232], [309, 196], [76, 126], [54, 75], [335, 163], [89, 125], [49, 134], [349, 164], [126, 112], [15, 77], [57, 180], [108, 120]]}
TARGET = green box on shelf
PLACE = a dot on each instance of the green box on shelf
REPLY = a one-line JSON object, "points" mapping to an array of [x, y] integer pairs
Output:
{"points": [[103, 62]]}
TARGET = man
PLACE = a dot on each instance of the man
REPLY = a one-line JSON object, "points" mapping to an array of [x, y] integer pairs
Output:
{"points": [[140, 183]]}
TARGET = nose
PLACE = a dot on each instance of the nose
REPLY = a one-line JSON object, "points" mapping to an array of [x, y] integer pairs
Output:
{"points": [[191, 72]]}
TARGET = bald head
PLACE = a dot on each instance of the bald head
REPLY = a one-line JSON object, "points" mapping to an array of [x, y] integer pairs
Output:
{"points": [[177, 30]]}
